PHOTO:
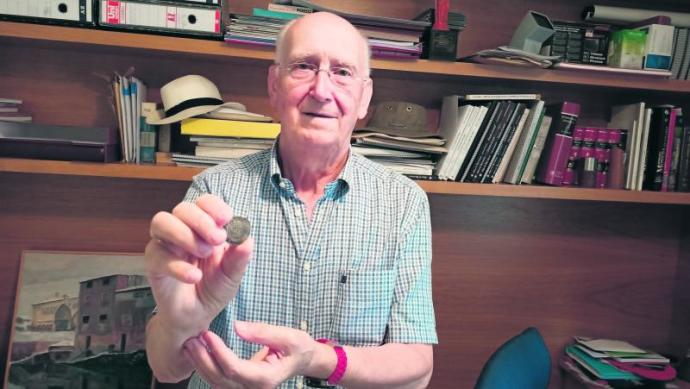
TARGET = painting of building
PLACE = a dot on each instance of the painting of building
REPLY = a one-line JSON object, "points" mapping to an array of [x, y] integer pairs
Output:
{"points": [[80, 319], [55, 314]]}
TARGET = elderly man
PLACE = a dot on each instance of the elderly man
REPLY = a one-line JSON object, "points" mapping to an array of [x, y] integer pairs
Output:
{"points": [[334, 285]]}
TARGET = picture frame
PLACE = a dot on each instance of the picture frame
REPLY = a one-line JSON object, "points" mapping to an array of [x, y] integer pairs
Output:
{"points": [[79, 321]]}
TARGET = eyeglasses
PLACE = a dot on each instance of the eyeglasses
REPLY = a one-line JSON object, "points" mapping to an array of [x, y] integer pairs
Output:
{"points": [[340, 75]]}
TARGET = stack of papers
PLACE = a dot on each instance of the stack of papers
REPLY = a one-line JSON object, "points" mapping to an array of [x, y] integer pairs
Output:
{"points": [[506, 54], [128, 94], [618, 360]]}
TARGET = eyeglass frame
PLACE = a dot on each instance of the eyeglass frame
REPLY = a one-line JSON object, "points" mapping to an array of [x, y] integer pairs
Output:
{"points": [[315, 69]]}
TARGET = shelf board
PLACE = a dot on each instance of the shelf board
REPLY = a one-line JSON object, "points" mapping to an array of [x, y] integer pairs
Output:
{"points": [[12, 31], [175, 173]]}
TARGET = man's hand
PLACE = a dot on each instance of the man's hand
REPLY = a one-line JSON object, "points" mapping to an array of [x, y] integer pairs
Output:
{"points": [[287, 352], [193, 271]]}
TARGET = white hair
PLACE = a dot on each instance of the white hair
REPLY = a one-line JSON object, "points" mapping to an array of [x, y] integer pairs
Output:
{"points": [[279, 55]]}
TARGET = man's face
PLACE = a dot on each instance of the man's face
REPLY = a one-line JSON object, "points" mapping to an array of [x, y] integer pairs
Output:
{"points": [[319, 111]]}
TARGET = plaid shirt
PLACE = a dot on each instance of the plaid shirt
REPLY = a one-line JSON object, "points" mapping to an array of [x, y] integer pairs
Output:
{"points": [[358, 272]]}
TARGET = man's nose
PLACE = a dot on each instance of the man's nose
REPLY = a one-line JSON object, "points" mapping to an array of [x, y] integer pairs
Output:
{"points": [[322, 88]]}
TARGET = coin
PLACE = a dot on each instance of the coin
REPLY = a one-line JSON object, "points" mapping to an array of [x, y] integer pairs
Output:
{"points": [[238, 230]]}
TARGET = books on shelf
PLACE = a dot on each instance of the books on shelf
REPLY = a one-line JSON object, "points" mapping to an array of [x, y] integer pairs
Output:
{"points": [[10, 111], [613, 70], [190, 19], [229, 128]]}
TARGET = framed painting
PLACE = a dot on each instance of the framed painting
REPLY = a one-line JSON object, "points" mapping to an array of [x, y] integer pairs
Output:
{"points": [[79, 322]]}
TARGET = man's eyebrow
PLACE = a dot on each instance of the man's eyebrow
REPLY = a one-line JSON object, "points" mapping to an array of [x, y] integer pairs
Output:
{"points": [[314, 58]]}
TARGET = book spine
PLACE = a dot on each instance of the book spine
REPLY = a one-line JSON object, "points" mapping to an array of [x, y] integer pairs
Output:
{"points": [[491, 143], [527, 174], [586, 150], [552, 168], [289, 8], [563, 124], [570, 174], [684, 162], [656, 152], [504, 139], [488, 121], [602, 154], [147, 142], [677, 141], [670, 133], [567, 118], [616, 176]]}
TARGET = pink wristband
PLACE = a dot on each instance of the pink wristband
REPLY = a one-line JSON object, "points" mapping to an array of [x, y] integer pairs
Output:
{"points": [[341, 364]]}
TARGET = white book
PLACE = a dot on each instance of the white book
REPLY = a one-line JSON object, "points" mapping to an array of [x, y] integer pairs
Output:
{"points": [[6, 100], [644, 140], [535, 153], [219, 152], [630, 117], [500, 172], [17, 118], [72, 10], [679, 53], [470, 133], [465, 123], [501, 96], [658, 48], [132, 14], [452, 118], [9, 109], [524, 145]]}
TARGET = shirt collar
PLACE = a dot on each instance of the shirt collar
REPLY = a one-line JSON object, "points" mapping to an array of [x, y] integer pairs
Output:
{"points": [[335, 189]]}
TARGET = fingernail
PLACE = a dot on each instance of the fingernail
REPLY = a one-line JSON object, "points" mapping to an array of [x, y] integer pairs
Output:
{"points": [[220, 235], [205, 250], [203, 341]]}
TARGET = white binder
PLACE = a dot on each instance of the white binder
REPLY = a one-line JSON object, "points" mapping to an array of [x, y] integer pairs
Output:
{"points": [[164, 17], [79, 11]]}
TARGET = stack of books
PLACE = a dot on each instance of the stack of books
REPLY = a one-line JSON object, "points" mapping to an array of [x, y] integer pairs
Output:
{"points": [[10, 111], [220, 137], [128, 95], [616, 361], [388, 37]]}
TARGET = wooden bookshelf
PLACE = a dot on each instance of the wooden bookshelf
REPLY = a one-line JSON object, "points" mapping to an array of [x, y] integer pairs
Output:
{"points": [[570, 261], [23, 33], [179, 173]]}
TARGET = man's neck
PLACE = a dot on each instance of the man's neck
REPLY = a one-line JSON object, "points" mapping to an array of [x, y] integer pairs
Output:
{"points": [[311, 171]]}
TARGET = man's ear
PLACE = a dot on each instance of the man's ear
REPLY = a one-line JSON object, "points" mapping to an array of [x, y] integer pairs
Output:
{"points": [[272, 84], [367, 91]]}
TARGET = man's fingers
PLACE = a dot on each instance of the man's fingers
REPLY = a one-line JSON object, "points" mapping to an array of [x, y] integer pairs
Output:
{"points": [[215, 207], [235, 260], [231, 365], [274, 337], [161, 261], [205, 365], [172, 230], [200, 222]]}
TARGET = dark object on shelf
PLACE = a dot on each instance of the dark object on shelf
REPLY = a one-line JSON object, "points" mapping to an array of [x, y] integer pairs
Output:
{"points": [[579, 42], [441, 44], [38, 141], [534, 30]]}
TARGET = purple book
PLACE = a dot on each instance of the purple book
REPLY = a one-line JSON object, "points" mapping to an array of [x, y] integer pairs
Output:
{"points": [[551, 170], [565, 116]]}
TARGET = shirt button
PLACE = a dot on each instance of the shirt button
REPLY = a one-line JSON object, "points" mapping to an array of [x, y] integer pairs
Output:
{"points": [[303, 325], [307, 267], [300, 385], [298, 212]]}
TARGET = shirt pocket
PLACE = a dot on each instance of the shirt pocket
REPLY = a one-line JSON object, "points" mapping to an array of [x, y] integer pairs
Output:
{"points": [[364, 306]]}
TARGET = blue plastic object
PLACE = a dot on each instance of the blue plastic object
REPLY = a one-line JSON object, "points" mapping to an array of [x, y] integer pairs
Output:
{"points": [[523, 362]]}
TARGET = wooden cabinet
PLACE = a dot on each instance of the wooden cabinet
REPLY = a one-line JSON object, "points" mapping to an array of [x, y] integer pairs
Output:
{"points": [[568, 261]]}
